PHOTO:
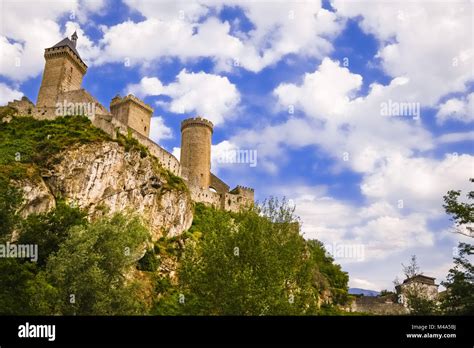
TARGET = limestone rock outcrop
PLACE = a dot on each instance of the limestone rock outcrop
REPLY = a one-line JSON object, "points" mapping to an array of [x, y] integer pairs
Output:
{"points": [[103, 178]]}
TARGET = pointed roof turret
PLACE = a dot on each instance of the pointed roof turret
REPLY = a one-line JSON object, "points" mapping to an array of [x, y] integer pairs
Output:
{"points": [[71, 44], [74, 38]]}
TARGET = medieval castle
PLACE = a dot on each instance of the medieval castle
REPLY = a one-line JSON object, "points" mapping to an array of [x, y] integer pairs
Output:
{"points": [[61, 85]]}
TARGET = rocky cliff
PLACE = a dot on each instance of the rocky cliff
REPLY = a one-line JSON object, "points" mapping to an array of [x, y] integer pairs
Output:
{"points": [[69, 159], [103, 178]]}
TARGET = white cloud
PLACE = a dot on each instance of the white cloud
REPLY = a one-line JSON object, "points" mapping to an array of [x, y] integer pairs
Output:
{"points": [[158, 129], [176, 152], [419, 182], [455, 137], [169, 10], [325, 93], [429, 42], [7, 94], [280, 29], [458, 109], [211, 96], [340, 123], [93, 6], [380, 228], [22, 45], [147, 86], [219, 151]]}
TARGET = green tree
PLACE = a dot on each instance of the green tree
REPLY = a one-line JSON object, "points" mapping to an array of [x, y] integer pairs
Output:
{"points": [[50, 229], [328, 276], [459, 296], [250, 263], [16, 282], [89, 270]]}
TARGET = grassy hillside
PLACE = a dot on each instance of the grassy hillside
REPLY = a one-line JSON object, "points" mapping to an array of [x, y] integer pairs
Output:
{"points": [[28, 144]]}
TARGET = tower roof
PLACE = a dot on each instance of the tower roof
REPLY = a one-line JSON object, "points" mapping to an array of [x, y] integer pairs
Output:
{"points": [[66, 42]]}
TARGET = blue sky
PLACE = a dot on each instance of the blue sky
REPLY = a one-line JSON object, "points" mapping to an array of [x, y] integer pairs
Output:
{"points": [[358, 179]]}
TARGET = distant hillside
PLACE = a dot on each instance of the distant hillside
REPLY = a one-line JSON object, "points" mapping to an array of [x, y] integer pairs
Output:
{"points": [[365, 292]]}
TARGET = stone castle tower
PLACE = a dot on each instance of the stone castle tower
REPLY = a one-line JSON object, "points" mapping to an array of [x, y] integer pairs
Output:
{"points": [[63, 71], [61, 89], [196, 137], [133, 112]]}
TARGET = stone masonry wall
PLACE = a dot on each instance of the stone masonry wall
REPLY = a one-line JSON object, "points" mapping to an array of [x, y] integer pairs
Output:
{"points": [[196, 151], [219, 185], [132, 112], [62, 72]]}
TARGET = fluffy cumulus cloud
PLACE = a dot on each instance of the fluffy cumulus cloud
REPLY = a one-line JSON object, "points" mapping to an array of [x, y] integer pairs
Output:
{"points": [[22, 46], [332, 117], [428, 42], [279, 29], [419, 182], [325, 93], [373, 232], [455, 137], [158, 130], [211, 96], [458, 109], [8, 94]]}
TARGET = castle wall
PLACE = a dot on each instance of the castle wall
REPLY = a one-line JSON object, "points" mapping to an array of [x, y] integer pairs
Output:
{"points": [[139, 119], [166, 159], [246, 192], [71, 78], [120, 112], [132, 112], [205, 196], [23, 106], [377, 305], [81, 96], [235, 202], [219, 185], [51, 81], [110, 125]]}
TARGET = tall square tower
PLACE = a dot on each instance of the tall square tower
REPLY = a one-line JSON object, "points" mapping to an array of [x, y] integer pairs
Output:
{"points": [[63, 71]]}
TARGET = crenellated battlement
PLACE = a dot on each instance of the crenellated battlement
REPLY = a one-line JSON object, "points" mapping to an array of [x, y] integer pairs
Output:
{"points": [[117, 100], [243, 188], [54, 52], [197, 121]]}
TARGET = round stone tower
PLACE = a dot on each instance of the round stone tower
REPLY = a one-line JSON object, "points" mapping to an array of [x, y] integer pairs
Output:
{"points": [[196, 135]]}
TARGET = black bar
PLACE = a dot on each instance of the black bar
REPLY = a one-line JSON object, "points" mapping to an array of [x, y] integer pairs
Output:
{"points": [[288, 331]]}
